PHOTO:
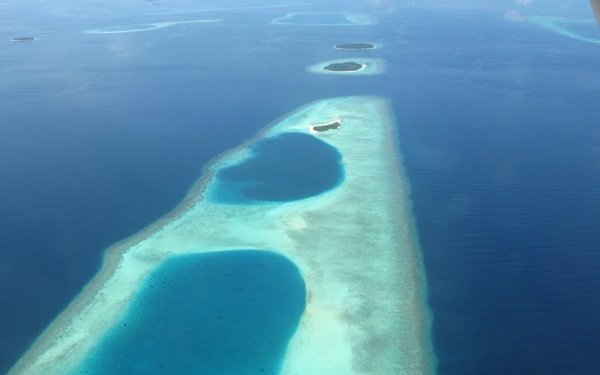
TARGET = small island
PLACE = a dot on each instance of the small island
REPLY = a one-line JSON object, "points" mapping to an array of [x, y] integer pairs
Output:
{"points": [[355, 46], [349, 66], [24, 39], [334, 125]]}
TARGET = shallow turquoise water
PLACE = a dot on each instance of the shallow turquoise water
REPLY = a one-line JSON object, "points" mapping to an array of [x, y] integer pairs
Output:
{"points": [[229, 312]]}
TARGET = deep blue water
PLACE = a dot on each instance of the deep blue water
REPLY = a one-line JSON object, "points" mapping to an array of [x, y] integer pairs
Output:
{"points": [[102, 134], [229, 312], [504, 167], [289, 167]]}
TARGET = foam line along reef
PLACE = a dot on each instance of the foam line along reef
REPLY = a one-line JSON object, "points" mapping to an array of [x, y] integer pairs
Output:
{"points": [[355, 245]]}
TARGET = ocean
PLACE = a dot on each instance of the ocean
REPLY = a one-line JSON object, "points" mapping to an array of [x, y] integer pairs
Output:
{"points": [[102, 134]]}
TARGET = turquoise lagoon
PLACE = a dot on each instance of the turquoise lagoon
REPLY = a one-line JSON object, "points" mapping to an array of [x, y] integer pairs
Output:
{"points": [[227, 313]]}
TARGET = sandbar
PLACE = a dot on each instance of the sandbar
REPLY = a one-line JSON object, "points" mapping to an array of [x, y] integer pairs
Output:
{"points": [[143, 27], [356, 247]]}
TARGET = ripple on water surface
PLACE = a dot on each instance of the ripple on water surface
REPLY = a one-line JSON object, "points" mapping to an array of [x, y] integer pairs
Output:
{"points": [[289, 167], [229, 312]]}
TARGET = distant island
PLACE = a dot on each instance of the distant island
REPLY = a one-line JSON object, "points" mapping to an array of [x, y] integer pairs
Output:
{"points": [[24, 39], [334, 125], [355, 46], [348, 66]]}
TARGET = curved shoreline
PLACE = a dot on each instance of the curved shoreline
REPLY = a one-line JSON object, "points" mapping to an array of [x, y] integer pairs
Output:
{"points": [[113, 255], [148, 27], [301, 231]]}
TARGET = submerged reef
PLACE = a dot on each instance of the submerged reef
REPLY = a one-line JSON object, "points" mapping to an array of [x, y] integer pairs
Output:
{"points": [[355, 248], [584, 30], [143, 27]]}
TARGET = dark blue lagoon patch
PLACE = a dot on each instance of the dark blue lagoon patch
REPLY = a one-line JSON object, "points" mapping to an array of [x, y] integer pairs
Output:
{"points": [[289, 167], [230, 312]]}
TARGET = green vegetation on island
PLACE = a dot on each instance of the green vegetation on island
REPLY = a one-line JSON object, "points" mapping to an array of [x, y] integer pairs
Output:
{"points": [[24, 39], [349, 66], [334, 125], [355, 46]]}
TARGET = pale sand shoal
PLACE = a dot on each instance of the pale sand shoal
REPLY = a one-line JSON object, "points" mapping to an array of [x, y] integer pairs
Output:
{"points": [[158, 25], [356, 247]]}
